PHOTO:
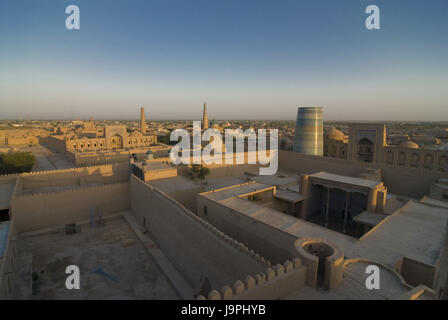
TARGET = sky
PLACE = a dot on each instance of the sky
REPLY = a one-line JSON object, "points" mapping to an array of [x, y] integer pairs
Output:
{"points": [[248, 59]]}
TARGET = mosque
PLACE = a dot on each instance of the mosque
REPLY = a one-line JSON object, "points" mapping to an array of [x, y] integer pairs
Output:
{"points": [[87, 137]]}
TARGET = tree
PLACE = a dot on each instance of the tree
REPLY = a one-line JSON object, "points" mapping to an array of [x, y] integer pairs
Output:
{"points": [[198, 171], [16, 162]]}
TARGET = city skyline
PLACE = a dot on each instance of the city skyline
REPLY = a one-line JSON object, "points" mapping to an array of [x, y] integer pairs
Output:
{"points": [[255, 60]]}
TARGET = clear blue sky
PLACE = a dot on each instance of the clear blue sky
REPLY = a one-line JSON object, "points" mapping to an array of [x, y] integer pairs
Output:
{"points": [[249, 59]]}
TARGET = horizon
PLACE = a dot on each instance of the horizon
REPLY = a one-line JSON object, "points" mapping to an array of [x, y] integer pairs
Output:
{"points": [[352, 121], [269, 57]]}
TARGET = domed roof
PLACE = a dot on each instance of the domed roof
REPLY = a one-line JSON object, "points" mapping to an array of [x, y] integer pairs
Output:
{"points": [[409, 144], [335, 134]]}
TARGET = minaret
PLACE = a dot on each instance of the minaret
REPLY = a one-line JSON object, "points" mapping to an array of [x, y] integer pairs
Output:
{"points": [[308, 137], [205, 118], [142, 121]]}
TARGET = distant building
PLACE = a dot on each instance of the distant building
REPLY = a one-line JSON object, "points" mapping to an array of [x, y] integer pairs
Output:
{"points": [[87, 137], [367, 143]]}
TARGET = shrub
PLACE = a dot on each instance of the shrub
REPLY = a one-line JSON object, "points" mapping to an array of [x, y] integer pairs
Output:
{"points": [[198, 171], [16, 162]]}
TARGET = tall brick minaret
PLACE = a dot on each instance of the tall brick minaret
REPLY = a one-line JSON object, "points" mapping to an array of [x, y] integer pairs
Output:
{"points": [[205, 118], [142, 121]]}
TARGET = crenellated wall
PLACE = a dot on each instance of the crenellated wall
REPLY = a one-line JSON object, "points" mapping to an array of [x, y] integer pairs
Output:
{"points": [[89, 158], [41, 210], [8, 178], [275, 244], [195, 247], [274, 283], [31, 182]]}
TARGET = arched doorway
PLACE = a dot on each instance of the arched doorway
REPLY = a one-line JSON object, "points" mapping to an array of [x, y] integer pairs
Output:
{"points": [[116, 142], [365, 150]]}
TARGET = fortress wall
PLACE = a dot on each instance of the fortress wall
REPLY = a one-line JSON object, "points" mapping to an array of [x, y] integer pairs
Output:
{"points": [[8, 267], [409, 181], [8, 178], [416, 273], [90, 159], [274, 244], [35, 211], [17, 188], [114, 156], [441, 277], [293, 162], [56, 142], [399, 180], [20, 141], [188, 197], [274, 283], [74, 176], [196, 248]]}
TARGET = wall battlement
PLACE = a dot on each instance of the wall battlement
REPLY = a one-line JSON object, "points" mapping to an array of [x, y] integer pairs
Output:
{"points": [[35, 211], [72, 170], [210, 228], [70, 189], [6, 178], [275, 283], [202, 253]]}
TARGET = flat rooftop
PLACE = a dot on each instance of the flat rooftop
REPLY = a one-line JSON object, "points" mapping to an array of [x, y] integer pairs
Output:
{"points": [[289, 196], [153, 165], [369, 218], [416, 231], [113, 264], [346, 180], [229, 197], [173, 184], [434, 202], [236, 190], [276, 180]]}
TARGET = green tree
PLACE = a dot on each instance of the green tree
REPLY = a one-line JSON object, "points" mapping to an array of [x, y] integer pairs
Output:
{"points": [[198, 171], [16, 162]]}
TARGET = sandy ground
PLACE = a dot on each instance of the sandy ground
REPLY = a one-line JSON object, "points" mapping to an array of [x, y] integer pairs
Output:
{"points": [[111, 247]]}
